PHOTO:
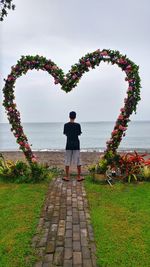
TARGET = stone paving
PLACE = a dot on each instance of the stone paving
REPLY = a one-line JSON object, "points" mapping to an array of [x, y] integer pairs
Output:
{"points": [[64, 234]]}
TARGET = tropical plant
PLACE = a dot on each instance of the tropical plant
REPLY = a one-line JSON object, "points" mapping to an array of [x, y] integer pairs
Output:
{"points": [[131, 165], [128, 167]]}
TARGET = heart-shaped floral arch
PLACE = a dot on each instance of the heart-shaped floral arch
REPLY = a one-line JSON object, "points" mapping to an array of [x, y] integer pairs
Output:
{"points": [[68, 82]]}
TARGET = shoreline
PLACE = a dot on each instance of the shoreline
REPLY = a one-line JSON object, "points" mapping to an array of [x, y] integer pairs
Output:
{"points": [[83, 150]]}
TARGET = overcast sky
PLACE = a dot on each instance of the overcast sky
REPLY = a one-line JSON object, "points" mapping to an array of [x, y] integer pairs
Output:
{"points": [[64, 31]]}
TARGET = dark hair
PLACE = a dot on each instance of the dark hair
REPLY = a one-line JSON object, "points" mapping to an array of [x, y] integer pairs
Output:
{"points": [[72, 115]]}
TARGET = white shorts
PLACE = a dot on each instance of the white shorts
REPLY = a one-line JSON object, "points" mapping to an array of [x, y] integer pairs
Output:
{"points": [[72, 156]]}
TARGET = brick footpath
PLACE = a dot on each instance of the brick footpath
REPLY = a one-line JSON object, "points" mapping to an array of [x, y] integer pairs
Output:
{"points": [[64, 235]]}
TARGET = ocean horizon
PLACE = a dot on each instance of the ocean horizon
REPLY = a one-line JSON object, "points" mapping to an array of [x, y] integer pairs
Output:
{"points": [[48, 136]]}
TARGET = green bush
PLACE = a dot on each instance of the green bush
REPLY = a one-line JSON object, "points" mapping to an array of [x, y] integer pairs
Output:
{"points": [[112, 158], [39, 173], [102, 166], [21, 172]]}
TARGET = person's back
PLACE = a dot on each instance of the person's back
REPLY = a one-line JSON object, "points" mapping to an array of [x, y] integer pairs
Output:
{"points": [[72, 130]]}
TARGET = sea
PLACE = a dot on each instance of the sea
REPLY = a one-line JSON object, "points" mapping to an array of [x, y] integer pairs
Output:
{"points": [[49, 136]]}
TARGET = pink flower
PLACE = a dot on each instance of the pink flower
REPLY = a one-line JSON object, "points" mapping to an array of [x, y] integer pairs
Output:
{"points": [[27, 146], [88, 63], [16, 67], [127, 71], [54, 67], [10, 109], [34, 160], [122, 128], [16, 135], [120, 117], [82, 61], [122, 109], [21, 143], [114, 132], [104, 53], [122, 61], [129, 67], [10, 78], [109, 142], [28, 62], [56, 81], [47, 67], [74, 76], [130, 88]]}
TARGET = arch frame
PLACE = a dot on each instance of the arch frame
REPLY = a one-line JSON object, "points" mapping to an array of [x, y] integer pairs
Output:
{"points": [[68, 82]]}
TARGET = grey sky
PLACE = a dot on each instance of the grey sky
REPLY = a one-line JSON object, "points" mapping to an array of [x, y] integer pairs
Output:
{"points": [[65, 30]]}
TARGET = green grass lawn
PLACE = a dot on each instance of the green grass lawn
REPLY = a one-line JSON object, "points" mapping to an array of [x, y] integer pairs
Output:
{"points": [[121, 220], [20, 207]]}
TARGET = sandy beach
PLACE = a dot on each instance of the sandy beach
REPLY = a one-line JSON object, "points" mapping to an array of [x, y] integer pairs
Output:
{"points": [[55, 159]]}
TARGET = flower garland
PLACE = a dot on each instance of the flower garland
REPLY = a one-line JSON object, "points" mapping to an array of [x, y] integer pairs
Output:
{"points": [[68, 82]]}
